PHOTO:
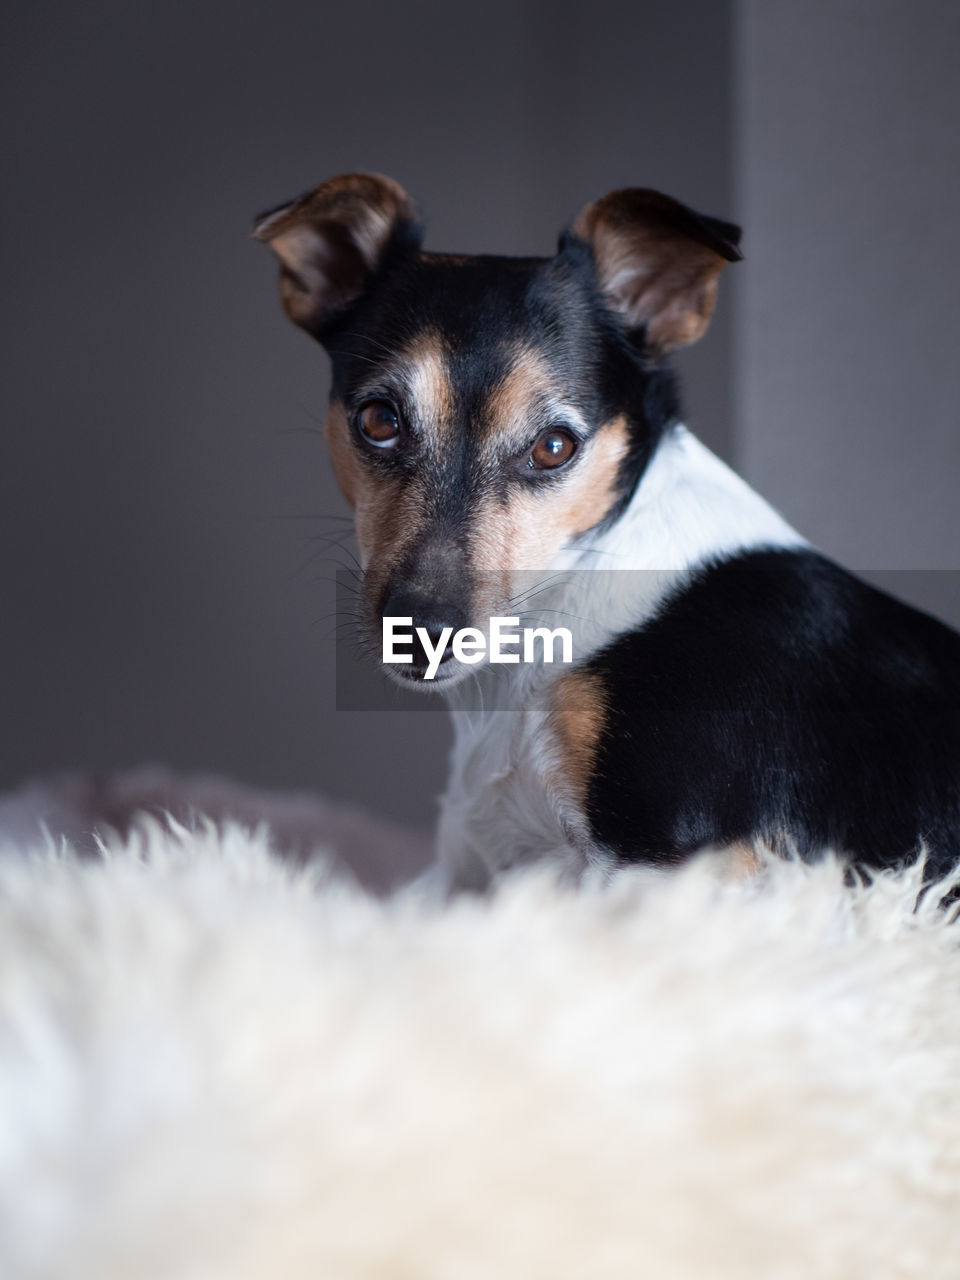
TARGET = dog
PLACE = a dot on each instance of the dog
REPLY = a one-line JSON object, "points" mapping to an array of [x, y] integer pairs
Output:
{"points": [[493, 418]]}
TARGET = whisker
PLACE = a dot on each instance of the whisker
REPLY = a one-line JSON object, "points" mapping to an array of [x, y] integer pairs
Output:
{"points": [[366, 337], [537, 613], [299, 431], [531, 595], [357, 615], [354, 355], [310, 516], [335, 542], [592, 551], [319, 557], [353, 588], [310, 412], [537, 587]]}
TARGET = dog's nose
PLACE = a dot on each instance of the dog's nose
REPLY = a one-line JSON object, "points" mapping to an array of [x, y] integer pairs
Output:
{"points": [[433, 616]]}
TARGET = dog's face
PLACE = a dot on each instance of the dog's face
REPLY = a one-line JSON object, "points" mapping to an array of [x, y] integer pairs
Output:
{"points": [[488, 412]]}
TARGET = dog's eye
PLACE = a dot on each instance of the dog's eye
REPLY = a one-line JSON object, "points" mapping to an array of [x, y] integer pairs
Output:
{"points": [[554, 447], [379, 424]]}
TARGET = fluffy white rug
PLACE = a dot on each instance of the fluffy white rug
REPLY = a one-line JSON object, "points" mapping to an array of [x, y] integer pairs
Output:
{"points": [[214, 1064]]}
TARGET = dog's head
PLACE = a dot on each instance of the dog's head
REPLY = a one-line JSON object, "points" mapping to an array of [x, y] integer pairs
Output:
{"points": [[488, 412]]}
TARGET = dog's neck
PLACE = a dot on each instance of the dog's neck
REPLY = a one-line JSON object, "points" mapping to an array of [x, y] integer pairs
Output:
{"points": [[689, 508]]}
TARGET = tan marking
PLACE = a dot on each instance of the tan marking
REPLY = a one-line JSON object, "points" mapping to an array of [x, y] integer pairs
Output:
{"points": [[529, 530], [592, 489], [577, 716], [423, 364], [388, 518], [387, 512], [510, 403], [742, 860]]}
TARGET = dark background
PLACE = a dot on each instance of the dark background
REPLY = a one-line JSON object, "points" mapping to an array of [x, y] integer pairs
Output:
{"points": [[157, 600]]}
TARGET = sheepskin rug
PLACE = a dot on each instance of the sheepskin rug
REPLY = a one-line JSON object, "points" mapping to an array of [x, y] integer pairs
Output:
{"points": [[217, 1063]]}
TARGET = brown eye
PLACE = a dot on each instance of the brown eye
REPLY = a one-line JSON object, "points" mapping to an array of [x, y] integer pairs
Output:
{"points": [[379, 424], [552, 450]]}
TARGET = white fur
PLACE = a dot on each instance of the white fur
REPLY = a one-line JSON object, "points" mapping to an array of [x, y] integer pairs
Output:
{"points": [[502, 806], [212, 1065], [688, 507]]}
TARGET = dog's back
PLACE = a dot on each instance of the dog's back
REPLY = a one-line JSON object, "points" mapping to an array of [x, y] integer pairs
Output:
{"points": [[777, 697]]}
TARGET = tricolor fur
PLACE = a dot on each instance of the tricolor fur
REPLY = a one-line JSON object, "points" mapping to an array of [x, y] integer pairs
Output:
{"points": [[510, 426]]}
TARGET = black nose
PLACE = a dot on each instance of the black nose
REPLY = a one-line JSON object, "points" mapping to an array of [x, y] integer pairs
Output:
{"points": [[432, 615]]}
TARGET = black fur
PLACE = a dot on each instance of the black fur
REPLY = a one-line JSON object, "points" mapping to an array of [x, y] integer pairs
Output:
{"points": [[778, 693]]}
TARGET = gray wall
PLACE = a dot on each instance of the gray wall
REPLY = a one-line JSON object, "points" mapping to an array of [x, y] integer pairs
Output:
{"points": [[848, 177], [157, 412]]}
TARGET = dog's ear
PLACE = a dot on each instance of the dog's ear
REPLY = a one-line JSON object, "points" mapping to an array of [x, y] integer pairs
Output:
{"points": [[657, 263], [333, 240]]}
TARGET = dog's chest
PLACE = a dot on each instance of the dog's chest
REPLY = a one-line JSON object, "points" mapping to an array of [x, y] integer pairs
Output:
{"points": [[504, 805]]}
